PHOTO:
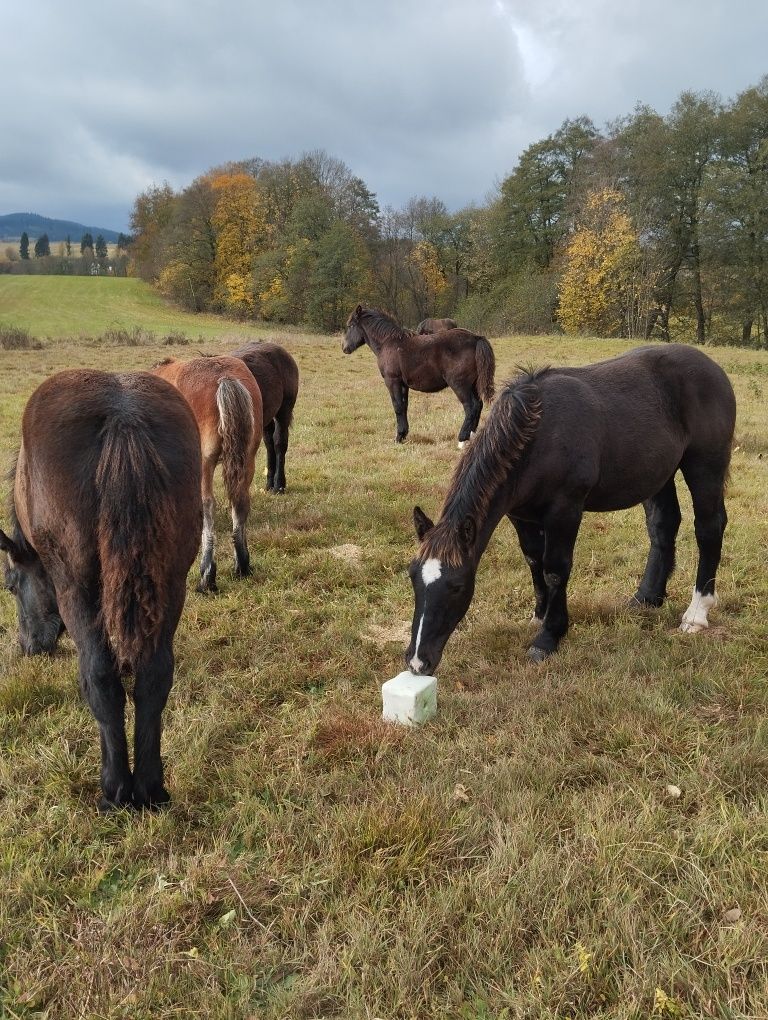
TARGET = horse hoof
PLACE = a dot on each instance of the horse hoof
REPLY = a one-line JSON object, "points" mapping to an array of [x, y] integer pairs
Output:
{"points": [[637, 602], [241, 572], [692, 628], [155, 801], [108, 807], [538, 654], [206, 588]]}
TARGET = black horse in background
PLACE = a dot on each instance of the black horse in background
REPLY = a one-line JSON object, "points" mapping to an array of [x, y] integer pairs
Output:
{"points": [[455, 358], [277, 376], [106, 520], [564, 440]]}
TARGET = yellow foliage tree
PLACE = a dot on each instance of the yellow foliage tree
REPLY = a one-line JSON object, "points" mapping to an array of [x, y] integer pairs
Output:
{"points": [[241, 233], [596, 290], [428, 278]]}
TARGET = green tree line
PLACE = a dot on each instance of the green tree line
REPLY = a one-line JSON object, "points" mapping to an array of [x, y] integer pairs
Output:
{"points": [[655, 226]]}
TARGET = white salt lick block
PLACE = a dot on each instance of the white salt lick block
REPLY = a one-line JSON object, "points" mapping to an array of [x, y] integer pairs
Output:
{"points": [[409, 698]]}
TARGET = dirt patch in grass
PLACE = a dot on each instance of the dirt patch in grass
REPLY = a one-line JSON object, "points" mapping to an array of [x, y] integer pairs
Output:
{"points": [[348, 552]]}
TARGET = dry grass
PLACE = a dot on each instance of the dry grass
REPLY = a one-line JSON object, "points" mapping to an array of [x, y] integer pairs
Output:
{"points": [[520, 857]]}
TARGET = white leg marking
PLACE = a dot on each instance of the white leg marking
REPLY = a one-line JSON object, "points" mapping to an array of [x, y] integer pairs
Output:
{"points": [[695, 616], [461, 444]]}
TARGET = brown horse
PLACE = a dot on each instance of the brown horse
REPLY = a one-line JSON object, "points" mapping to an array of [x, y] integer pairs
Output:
{"points": [[226, 403], [106, 522], [456, 358], [427, 326], [277, 376]]}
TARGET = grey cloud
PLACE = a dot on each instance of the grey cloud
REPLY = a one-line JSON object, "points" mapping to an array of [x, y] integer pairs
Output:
{"points": [[433, 97]]}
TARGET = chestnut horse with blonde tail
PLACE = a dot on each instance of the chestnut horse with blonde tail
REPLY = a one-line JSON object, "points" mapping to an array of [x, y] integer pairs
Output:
{"points": [[456, 358], [226, 403]]}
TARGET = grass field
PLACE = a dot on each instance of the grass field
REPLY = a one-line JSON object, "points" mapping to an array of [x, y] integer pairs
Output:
{"points": [[518, 857], [79, 307]]}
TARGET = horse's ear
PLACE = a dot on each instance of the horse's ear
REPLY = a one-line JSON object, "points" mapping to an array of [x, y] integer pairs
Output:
{"points": [[8, 545], [359, 311], [422, 523], [468, 532]]}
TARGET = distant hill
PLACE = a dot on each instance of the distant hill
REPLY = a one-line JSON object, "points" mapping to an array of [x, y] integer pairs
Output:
{"points": [[13, 225]]}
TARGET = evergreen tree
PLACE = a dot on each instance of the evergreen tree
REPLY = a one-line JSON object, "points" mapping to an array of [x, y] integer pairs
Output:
{"points": [[69, 246], [101, 247], [42, 247], [86, 242], [24, 245]]}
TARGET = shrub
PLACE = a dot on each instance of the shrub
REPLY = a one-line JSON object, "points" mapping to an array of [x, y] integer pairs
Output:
{"points": [[119, 336], [17, 338]]}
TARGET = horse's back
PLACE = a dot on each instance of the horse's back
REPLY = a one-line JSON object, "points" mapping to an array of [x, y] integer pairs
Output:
{"points": [[619, 429], [675, 384]]}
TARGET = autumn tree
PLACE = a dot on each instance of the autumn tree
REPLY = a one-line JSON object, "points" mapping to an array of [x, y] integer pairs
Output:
{"points": [[596, 293], [239, 222]]}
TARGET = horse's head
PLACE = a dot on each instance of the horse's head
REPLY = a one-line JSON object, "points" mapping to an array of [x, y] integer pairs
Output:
{"points": [[442, 593], [40, 625], [355, 335]]}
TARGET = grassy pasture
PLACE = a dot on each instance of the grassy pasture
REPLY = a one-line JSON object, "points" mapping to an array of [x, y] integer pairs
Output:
{"points": [[519, 857]]}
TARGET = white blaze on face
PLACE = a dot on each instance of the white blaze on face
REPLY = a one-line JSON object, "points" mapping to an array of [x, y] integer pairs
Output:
{"points": [[695, 616], [431, 570]]}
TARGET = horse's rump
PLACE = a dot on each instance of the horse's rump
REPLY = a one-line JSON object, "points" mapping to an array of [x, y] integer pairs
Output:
{"points": [[114, 464], [276, 374]]}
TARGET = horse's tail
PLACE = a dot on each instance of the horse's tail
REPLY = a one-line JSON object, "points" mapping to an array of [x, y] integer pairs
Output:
{"points": [[236, 427], [485, 360], [135, 517]]}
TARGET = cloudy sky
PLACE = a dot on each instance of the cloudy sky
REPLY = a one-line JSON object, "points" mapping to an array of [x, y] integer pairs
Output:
{"points": [[418, 97]]}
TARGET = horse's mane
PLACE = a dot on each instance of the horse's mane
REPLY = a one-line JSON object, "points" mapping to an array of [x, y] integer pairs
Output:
{"points": [[384, 325], [16, 533], [494, 453]]}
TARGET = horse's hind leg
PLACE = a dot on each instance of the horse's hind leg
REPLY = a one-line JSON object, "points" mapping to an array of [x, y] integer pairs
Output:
{"points": [[471, 413], [101, 687], [282, 426], [153, 684], [207, 560], [707, 487], [241, 508], [531, 538], [662, 519], [269, 442]]}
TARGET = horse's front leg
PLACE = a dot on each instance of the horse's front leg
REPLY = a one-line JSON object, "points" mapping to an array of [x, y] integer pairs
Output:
{"points": [[398, 391], [559, 540], [531, 538]]}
